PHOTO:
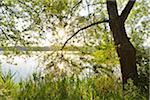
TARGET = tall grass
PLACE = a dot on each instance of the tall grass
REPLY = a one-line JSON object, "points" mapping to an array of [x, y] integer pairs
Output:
{"points": [[67, 88]]}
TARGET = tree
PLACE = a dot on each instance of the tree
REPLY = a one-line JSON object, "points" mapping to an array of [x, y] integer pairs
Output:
{"points": [[125, 50]]}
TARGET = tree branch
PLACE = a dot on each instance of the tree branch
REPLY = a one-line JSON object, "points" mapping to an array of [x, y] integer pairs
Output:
{"points": [[7, 37], [104, 21], [77, 4], [112, 9], [127, 10]]}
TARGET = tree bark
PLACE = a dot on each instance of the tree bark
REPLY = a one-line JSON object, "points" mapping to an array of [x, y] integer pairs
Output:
{"points": [[125, 50]]}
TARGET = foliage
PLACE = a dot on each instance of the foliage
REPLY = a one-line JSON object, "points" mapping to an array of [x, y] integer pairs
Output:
{"points": [[30, 22], [70, 88], [143, 69]]}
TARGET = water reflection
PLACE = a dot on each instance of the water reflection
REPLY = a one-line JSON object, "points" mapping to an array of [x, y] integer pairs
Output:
{"points": [[24, 66], [21, 67]]}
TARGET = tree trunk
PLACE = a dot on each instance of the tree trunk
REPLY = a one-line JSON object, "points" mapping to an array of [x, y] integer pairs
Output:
{"points": [[125, 50]]}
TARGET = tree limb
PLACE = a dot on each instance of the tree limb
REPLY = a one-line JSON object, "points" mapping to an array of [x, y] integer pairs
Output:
{"points": [[126, 10], [112, 9], [77, 4], [7, 37], [104, 21]]}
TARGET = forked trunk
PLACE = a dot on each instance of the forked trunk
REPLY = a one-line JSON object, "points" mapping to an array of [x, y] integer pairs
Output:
{"points": [[125, 50]]}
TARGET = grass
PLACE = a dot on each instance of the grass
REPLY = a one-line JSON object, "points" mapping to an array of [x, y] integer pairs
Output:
{"points": [[67, 88]]}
